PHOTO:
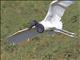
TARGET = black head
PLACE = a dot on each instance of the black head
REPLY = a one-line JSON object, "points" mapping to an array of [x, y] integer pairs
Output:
{"points": [[39, 27]]}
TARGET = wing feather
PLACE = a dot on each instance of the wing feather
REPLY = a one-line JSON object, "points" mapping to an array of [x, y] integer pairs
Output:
{"points": [[55, 12]]}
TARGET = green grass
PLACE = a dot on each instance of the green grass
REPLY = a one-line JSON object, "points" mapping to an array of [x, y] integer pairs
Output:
{"points": [[16, 15]]}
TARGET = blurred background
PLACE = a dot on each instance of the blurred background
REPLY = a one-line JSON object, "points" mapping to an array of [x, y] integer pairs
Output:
{"points": [[16, 15]]}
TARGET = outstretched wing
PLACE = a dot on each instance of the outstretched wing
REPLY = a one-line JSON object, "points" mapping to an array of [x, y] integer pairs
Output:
{"points": [[55, 12], [22, 35], [57, 8]]}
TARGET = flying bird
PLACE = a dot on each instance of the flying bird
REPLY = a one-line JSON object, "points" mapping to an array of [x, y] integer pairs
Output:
{"points": [[51, 23]]}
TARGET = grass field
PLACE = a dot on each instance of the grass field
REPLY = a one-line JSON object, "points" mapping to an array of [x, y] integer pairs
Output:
{"points": [[16, 15]]}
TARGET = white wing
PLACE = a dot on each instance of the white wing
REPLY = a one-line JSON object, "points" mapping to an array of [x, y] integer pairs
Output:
{"points": [[55, 12]]}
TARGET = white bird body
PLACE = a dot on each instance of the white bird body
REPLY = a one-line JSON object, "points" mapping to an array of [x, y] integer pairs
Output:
{"points": [[51, 21], [55, 12]]}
